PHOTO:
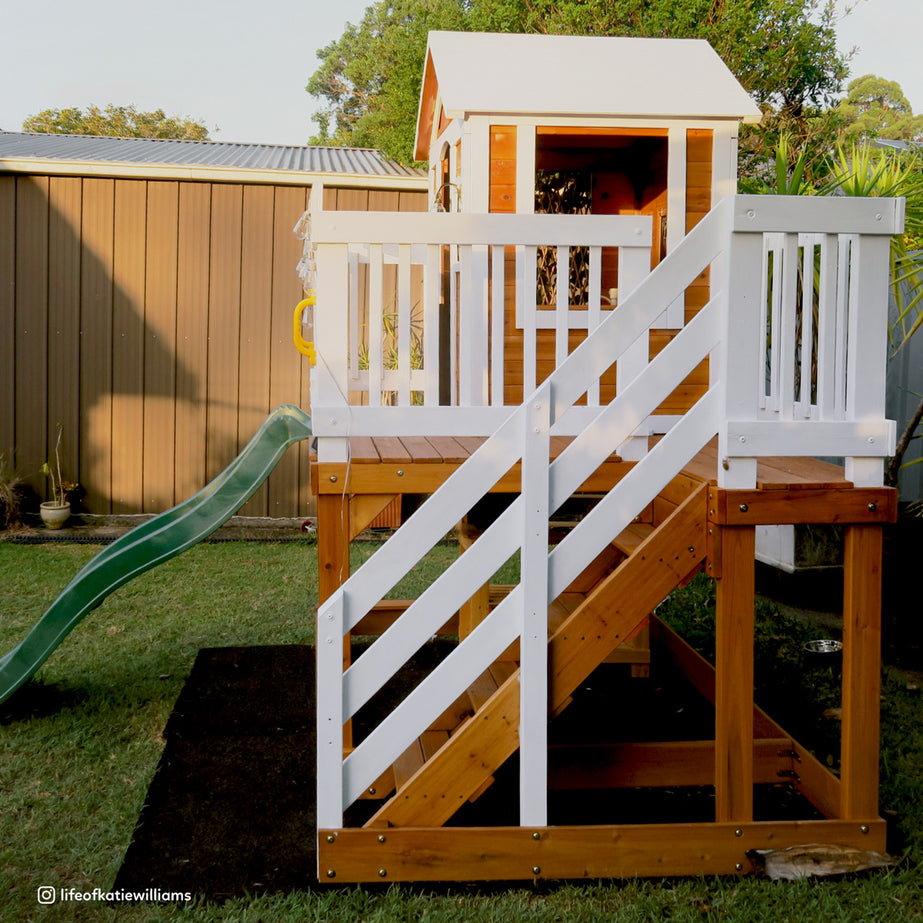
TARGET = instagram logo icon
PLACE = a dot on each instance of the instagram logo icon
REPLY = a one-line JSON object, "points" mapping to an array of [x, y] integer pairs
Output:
{"points": [[46, 895]]}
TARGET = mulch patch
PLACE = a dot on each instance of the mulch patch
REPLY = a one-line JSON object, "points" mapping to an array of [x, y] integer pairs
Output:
{"points": [[231, 808]]}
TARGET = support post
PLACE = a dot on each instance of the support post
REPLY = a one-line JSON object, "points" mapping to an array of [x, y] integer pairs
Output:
{"points": [[533, 673], [734, 674], [861, 672], [332, 543]]}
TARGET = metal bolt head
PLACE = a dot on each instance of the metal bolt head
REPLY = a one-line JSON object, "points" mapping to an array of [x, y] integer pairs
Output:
{"points": [[331, 838], [382, 873], [373, 790], [331, 873], [333, 479], [739, 866], [743, 507], [536, 835], [738, 832], [382, 838], [873, 507], [864, 828], [536, 870], [400, 473]]}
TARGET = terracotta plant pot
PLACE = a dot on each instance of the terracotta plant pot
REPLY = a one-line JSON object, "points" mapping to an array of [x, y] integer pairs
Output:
{"points": [[54, 515]]}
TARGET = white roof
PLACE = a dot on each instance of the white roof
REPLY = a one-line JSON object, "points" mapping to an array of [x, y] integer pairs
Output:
{"points": [[583, 76]]}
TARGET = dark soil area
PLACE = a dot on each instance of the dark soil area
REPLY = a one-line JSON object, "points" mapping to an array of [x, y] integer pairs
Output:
{"points": [[231, 807]]}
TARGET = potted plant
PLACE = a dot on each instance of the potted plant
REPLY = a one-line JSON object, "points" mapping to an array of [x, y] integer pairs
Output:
{"points": [[55, 512]]}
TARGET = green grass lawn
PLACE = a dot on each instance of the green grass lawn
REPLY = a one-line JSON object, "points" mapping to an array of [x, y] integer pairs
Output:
{"points": [[76, 763]]}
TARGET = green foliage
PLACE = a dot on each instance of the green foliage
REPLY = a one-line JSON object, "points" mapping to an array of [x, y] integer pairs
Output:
{"points": [[877, 108], [115, 122], [370, 78], [783, 52]]}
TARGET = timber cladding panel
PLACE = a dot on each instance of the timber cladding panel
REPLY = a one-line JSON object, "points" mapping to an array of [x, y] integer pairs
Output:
{"points": [[152, 318]]}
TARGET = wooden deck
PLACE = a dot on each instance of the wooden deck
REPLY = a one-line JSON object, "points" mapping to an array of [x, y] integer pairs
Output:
{"points": [[417, 464]]}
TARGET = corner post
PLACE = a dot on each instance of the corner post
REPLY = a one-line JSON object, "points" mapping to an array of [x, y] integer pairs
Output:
{"points": [[861, 703]]}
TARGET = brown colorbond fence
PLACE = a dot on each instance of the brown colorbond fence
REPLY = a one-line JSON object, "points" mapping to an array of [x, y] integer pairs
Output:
{"points": [[152, 318]]}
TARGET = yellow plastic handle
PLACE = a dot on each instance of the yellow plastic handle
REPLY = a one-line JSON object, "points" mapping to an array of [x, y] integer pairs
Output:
{"points": [[303, 346]]}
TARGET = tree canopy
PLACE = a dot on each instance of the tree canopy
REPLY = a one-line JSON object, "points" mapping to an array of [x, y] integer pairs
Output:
{"points": [[877, 108], [115, 122], [782, 51]]}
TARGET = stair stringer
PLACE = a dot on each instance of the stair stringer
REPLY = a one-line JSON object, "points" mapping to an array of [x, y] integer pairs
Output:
{"points": [[611, 611]]}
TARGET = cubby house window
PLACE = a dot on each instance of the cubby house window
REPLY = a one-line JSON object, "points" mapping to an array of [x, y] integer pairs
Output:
{"points": [[601, 172]]}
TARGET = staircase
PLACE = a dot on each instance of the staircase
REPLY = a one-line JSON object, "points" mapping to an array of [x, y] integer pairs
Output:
{"points": [[453, 761]]}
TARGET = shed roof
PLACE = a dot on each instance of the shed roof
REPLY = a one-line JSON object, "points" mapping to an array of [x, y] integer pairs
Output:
{"points": [[481, 72], [22, 150]]}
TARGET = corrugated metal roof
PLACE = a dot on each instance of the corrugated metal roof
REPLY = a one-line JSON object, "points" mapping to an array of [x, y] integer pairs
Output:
{"points": [[205, 154]]}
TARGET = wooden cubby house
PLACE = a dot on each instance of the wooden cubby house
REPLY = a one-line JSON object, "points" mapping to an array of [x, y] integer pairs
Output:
{"points": [[587, 315]]}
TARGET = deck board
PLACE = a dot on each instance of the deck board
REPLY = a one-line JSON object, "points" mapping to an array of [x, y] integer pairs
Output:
{"points": [[407, 452]]}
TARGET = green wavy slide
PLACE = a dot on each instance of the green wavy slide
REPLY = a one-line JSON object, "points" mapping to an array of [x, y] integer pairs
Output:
{"points": [[155, 541]]}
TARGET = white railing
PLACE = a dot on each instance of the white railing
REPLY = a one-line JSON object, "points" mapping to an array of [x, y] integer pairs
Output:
{"points": [[731, 331], [384, 279]]}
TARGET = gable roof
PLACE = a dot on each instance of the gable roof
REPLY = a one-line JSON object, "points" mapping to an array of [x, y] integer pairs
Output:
{"points": [[574, 75], [156, 157]]}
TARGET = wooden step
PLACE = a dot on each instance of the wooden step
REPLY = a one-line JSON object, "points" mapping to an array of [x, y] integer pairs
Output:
{"points": [[422, 749], [630, 538]]}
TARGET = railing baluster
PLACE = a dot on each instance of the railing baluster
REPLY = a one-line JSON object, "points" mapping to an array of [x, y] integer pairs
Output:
{"points": [[843, 299], [562, 306], [432, 283], [353, 302], [376, 322], [634, 265], [497, 311], [826, 328], [765, 288], [806, 381], [787, 333], [775, 323], [403, 325], [525, 298], [453, 323], [594, 312]]}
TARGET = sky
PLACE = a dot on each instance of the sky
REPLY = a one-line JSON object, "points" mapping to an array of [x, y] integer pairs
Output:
{"points": [[240, 66]]}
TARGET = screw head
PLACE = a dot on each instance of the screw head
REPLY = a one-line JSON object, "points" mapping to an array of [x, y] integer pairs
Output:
{"points": [[382, 838], [373, 790], [873, 507], [738, 832], [331, 873], [333, 479], [739, 866], [400, 473], [536, 835], [864, 828], [743, 507], [331, 838], [536, 870], [382, 873]]}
